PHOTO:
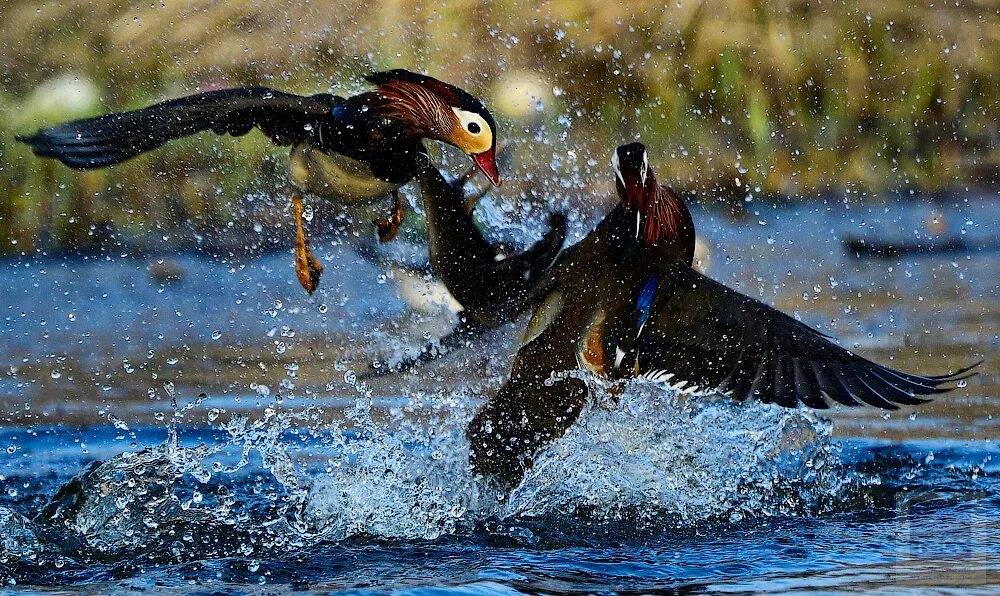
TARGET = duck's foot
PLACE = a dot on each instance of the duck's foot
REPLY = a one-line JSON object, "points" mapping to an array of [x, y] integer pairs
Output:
{"points": [[388, 227], [307, 267]]}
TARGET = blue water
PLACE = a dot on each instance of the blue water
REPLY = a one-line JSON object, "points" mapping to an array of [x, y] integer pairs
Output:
{"points": [[917, 515], [318, 492]]}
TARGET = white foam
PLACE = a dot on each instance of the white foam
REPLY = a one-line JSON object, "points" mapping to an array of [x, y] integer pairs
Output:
{"points": [[647, 455], [641, 454]]}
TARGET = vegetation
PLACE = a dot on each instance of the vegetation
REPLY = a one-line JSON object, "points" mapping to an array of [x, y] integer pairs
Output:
{"points": [[788, 97]]}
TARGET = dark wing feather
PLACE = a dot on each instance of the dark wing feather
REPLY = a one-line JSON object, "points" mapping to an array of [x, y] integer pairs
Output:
{"points": [[521, 272], [807, 386], [113, 138], [713, 337]]}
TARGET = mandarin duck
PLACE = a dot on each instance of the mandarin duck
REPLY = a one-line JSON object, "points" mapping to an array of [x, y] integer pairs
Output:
{"points": [[353, 150], [625, 303]]}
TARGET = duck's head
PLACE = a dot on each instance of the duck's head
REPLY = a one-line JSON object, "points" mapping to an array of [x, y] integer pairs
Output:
{"points": [[660, 215], [634, 179], [440, 111]]}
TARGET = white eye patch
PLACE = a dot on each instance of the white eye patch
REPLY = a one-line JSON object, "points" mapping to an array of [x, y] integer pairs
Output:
{"points": [[618, 171], [473, 134], [614, 164], [472, 123]]}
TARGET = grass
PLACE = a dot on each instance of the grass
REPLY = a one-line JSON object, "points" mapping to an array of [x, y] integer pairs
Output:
{"points": [[793, 98]]}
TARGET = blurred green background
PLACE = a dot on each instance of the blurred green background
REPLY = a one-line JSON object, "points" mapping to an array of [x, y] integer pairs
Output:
{"points": [[778, 98]]}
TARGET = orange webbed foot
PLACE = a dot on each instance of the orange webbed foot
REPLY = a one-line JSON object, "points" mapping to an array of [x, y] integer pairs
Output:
{"points": [[388, 227], [307, 267]]}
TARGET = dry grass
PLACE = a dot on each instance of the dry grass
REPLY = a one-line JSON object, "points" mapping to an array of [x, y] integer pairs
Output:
{"points": [[792, 97]]}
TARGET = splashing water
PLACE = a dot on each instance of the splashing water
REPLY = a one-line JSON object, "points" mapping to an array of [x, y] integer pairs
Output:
{"points": [[640, 454], [644, 455], [658, 456]]}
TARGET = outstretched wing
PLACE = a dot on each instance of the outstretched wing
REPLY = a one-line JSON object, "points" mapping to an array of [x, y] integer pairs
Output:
{"points": [[710, 337], [113, 138]]}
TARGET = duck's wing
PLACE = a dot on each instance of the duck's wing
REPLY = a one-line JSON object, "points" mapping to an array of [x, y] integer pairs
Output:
{"points": [[577, 266], [113, 138], [461, 336], [530, 264], [700, 333], [521, 272]]}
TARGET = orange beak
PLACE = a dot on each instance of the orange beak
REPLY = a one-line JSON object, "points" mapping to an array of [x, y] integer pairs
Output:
{"points": [[487, 162]]}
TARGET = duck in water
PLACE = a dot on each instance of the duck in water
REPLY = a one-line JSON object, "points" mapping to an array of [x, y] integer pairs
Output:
{"points": [[625, 303], [354, 150]]}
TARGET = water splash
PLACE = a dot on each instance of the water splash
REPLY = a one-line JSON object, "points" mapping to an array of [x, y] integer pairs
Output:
{"points": [[651, 455], [640, 453], [408, 481], [175, 502]]}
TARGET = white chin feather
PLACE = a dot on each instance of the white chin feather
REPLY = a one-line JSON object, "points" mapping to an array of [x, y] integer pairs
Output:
{"points": [[614, 164]]}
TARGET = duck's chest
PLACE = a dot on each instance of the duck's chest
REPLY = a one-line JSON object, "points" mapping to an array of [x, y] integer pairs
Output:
{"points": [[575, 322], [341, 178], [612, 327]]}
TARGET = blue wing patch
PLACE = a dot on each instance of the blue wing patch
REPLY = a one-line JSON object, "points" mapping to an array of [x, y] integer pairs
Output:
{"points": [[645, 301]]}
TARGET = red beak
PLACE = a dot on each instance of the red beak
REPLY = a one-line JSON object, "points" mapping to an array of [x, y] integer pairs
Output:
{"points": [[487, 162]]}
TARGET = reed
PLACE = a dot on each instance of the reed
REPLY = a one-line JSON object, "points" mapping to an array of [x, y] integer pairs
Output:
{"points": [[797, 98]]}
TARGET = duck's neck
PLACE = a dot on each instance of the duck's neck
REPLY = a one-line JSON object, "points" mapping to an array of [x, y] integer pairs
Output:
{"points": [[453, 239], [660, 220]]}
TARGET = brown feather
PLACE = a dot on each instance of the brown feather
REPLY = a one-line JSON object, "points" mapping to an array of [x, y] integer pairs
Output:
{"points": [[667, 220], [417, 106]]}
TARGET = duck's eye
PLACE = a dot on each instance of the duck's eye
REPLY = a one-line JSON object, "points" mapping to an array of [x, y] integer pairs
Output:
{"points": [[472, 122], [472, 133]]}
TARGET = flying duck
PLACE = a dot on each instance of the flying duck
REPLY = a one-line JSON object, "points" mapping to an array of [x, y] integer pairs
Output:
{"points": [[625, 303], [492, 287], [350, 150]]}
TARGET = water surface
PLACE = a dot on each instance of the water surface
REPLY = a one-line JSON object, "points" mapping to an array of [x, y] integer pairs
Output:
{"points": [[241, 445]]}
